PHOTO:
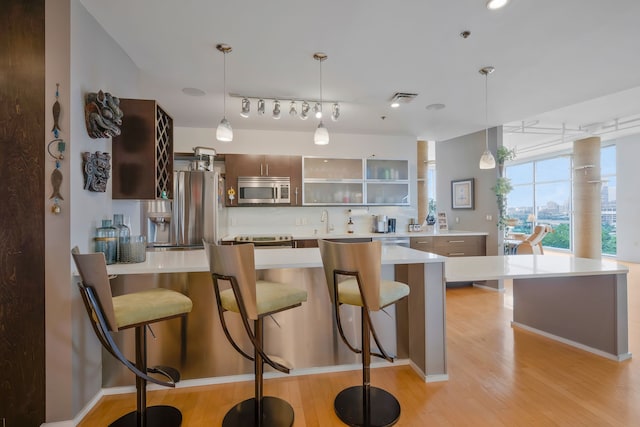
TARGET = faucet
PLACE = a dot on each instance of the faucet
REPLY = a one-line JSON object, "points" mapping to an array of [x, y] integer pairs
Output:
{"points": [[325, 218]]}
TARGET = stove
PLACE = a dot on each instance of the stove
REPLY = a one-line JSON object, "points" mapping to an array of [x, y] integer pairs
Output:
{"points": [[266, 240]]}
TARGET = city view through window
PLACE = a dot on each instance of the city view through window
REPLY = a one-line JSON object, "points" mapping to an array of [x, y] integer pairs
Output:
{"points": [[542, 195]]}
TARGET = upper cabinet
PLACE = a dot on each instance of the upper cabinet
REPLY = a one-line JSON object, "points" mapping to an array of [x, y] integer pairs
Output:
{"points": [[387, 182], [331, 181], [142, 155], [263, 165]]}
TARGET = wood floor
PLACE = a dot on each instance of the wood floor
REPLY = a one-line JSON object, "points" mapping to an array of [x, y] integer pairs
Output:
{"points": [[498, 376]]}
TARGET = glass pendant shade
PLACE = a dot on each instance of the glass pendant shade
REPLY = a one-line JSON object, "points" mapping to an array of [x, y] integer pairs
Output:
{"points": [[224, 132], [321, 137], [487, 161]]}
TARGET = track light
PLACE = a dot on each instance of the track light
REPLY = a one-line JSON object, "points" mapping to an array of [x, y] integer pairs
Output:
{"points": [[276, 109], [246, 107], [335, 111], [304, 110], [280, 103]]}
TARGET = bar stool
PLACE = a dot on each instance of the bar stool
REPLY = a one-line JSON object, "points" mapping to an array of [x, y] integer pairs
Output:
{"points": [[109, 314], [361, 405], [253, 300]]}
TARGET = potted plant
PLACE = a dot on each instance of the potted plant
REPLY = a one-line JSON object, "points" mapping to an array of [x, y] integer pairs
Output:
{"points": [[504, 154]]}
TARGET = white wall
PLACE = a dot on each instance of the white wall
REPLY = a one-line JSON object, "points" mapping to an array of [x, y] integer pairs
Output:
{"points": [[83, 58], [458, 159], [304, 220], [628, 198]]}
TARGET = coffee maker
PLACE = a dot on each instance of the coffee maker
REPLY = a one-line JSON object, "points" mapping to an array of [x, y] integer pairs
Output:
{"points": [[380, 224]]}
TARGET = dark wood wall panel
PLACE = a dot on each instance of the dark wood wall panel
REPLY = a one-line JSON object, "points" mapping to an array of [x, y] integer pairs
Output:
{"points": [[22, 348]]}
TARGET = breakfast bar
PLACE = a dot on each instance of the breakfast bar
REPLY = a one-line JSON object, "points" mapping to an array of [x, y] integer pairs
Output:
{"points": [[306, 336], [578, 301]]}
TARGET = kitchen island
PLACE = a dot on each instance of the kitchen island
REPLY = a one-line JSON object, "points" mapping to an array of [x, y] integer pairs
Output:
{"points": [[414, 329], [578, 301]]}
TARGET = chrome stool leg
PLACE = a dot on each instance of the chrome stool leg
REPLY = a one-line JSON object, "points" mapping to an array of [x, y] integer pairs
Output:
{"points": [[260, 411], [363, 405]]}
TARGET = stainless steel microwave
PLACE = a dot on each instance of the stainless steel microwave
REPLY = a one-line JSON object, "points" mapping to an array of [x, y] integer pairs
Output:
{"points": [[263, 190]]}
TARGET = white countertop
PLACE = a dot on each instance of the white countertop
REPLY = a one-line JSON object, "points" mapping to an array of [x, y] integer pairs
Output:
{"points": [[195, 260], [466, 269], [399, 234]]}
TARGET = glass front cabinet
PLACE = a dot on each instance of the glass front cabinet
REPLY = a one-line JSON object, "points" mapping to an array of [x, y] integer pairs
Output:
{"points": [[331, 181]]}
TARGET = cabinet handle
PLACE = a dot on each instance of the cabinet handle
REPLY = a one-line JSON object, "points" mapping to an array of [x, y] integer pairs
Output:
{"points": [[423, 241], [260, 169], [296, 196], [267, 164], [456, 241], [456, 254]]}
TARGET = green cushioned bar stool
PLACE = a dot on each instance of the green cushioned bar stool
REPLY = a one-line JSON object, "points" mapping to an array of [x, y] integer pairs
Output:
{"points": [[237, 290], [109, 314], [353, 274]]}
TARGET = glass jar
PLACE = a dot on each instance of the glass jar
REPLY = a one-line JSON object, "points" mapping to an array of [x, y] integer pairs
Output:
{"points": [[123, 235], [106, 241]]}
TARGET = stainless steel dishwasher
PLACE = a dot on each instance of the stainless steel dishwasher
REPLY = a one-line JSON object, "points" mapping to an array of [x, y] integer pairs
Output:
{"points": [[394, 241]]}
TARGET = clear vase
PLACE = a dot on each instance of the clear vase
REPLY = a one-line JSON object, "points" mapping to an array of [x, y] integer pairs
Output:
{"points": [[123, 235], [106, 241]]}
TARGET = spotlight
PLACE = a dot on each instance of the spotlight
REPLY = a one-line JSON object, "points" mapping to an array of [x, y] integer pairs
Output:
{"points": [[292, 109], [317, 109], [335, 112], [276, 109], [261, 106], [304, 110], [246, 107]]}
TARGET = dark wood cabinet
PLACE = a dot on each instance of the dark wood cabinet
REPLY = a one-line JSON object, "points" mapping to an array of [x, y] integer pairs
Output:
{"points": [[451, 245], [236, 165], [142, 155]]}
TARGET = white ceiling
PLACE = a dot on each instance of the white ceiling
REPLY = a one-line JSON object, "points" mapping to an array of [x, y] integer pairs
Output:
{"points": [[571, 61]]}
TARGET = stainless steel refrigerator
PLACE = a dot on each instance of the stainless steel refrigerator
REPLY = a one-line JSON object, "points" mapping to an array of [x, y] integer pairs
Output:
{"points": [[194, 208]]}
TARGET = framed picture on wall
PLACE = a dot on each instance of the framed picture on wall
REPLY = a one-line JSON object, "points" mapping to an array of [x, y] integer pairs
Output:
{"points": [[462, 194]]}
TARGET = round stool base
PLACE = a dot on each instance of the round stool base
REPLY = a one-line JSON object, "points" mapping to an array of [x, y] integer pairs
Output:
{"points": [[275, 413], [384, 409], [157, 416]]}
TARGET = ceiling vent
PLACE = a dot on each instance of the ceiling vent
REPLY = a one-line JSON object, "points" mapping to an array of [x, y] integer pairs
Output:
{"points": [[402, 98]]}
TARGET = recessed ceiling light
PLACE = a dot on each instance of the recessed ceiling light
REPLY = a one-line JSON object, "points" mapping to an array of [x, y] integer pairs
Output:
{"points": [[496, 4], [435, 107], [192, 91]]}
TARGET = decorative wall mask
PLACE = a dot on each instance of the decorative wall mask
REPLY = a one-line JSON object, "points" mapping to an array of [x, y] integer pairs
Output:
{"points": [[96, 167], [103, 115]]}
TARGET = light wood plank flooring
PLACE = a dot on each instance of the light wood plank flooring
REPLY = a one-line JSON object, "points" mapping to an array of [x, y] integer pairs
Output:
{"points": [[499, 376]]}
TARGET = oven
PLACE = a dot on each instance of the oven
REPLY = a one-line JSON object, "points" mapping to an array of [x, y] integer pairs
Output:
{"points": [[258, 190], [266, 241]]}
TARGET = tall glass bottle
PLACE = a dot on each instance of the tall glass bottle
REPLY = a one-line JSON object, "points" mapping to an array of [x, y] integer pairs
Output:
{"points": [[123, 235], [106, 241]]}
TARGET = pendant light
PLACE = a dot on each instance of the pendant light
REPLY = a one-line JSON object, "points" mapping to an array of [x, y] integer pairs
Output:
{"points": [[224, 132], [321, 137], [487, 161]]}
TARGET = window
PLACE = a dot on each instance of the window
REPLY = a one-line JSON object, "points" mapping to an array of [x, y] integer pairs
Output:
{"points": [[542, 193], [608, 199]]}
